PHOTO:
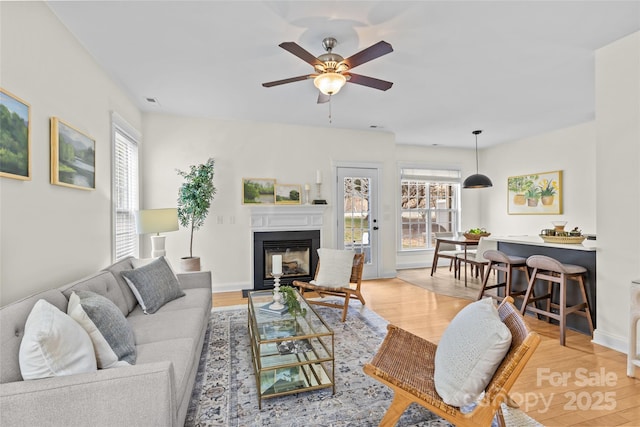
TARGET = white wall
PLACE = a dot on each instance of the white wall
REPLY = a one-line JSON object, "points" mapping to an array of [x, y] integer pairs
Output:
{"points": [[290, 154], [50, 235], [571, 150], [617, 185]]}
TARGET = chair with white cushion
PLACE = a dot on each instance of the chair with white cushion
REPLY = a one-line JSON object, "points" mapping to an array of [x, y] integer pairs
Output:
{"points": [[421, 372], [338, 274], [446, 250]]}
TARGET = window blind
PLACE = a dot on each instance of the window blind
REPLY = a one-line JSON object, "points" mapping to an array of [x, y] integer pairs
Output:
{"points": [[125, 194]]}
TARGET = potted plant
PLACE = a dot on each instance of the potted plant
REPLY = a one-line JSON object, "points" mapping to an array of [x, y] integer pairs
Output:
{"points": [[194, 199], [532, 195], [547, 191]]}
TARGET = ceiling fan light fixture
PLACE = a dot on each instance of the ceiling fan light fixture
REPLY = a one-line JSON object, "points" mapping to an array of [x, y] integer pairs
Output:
{"points": [[330, 83], [477, 180]]}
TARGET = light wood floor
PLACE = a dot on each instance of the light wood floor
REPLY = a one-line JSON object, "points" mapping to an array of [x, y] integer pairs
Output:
{"points": [[581, 384]]}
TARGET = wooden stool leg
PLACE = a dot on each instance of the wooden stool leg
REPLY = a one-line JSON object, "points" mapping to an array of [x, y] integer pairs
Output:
{"points": [[563, 307], [528, 294], [485, 280], [586, 302]]}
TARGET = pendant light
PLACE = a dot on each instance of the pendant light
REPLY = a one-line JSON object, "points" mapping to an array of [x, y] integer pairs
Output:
{"points": [[478, 180]]}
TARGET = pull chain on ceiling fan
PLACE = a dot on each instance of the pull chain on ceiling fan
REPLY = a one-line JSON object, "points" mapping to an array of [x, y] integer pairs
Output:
{"points": [[332, 70]]}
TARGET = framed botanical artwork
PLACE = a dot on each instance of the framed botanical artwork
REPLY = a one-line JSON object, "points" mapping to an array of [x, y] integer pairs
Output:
{"points": [[535, 194], [288, 194], [15, 137], [73, 156], [258, 191]]}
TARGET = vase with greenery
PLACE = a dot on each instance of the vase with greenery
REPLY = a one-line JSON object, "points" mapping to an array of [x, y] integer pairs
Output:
{"points": [[291, 301], [519, 185], [194, 199]]}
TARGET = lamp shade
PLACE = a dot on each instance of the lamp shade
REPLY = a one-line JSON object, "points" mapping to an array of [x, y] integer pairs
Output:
{"points": [[477, 181], [156, 220], [330, 83]]}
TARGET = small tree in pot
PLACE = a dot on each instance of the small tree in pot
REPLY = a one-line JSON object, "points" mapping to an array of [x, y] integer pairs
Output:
{"points": [[194, 199]]}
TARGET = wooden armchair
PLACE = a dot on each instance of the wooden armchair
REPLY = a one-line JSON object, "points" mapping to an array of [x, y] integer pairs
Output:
{"points": [[346, 292], [405, 363]]}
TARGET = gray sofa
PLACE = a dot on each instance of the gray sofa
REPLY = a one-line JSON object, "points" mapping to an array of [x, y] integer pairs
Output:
{"points": [[153, 392]]}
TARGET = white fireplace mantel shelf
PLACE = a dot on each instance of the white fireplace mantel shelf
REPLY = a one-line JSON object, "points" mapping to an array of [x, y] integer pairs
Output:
{"points": [[287, 217]]}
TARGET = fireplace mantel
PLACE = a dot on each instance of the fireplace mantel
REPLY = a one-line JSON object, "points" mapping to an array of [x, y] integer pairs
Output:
{"points": [[285, 217]]}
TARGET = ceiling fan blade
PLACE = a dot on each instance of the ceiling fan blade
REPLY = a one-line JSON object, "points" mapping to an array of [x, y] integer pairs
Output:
{"points": [[322, 98], [368, 81], [289, 80], [301, 53], [368, 54]]}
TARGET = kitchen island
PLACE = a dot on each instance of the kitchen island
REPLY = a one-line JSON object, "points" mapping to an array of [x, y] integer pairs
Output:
{"points": [[583, 254]]}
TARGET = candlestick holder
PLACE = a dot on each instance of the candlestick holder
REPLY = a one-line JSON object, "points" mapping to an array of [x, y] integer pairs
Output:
{"points": [[319, 200], [307, 196], [277, 295]]}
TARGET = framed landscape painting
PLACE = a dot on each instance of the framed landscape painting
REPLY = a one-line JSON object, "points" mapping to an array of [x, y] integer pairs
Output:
{"points": [[15, 137], [535, 194], [73, 156], [258, 191], [287, 194]]}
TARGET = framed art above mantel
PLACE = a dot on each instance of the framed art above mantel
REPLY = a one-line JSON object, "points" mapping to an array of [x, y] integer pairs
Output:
{"points": [[535, 194]]}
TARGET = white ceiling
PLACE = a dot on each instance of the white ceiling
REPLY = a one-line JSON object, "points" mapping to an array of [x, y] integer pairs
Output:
{"points": [[512, 68]]}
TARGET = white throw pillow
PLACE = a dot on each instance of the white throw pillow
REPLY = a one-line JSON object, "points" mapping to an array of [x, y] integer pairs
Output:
{"points": [[110, 333], [469, 352], [54, 345], [335, 268]]}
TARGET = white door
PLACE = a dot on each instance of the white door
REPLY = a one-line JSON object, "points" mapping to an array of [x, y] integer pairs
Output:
{"points": [[357, 194]]}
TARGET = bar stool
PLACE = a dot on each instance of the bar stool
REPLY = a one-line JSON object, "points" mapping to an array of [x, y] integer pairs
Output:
{"points": [[499, 261], [555, 272]]}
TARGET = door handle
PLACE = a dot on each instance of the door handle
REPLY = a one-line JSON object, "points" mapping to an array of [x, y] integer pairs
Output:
{"points": [[375, 228]]}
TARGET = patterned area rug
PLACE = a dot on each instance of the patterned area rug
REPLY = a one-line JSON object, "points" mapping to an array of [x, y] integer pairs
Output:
{"points": [[225, 390]]}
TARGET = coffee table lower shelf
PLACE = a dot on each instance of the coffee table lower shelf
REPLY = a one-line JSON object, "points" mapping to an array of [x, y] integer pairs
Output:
{"points": [[289, 354]]}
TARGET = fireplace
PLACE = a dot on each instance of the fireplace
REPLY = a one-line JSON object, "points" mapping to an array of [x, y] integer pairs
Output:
{"points": [[299, 256]]}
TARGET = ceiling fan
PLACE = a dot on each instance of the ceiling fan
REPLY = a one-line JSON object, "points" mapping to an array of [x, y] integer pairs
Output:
{"points": [[332, 70]]}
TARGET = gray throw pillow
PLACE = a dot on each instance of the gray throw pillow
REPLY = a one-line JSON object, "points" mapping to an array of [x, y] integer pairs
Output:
{"points": [[153, 285], [111, 335]]}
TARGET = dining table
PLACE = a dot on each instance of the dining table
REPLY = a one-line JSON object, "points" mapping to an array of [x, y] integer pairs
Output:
{"points": [[458, 241]]}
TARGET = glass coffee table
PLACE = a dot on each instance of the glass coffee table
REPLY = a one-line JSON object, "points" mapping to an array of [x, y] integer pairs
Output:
{"points": [[290, 353]]}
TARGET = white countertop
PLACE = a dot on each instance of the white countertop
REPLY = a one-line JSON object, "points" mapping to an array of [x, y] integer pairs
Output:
{"points": [[587, 245]]}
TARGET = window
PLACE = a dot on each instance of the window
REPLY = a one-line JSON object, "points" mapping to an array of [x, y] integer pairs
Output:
{"points": [[125, 190], [429, 205]]}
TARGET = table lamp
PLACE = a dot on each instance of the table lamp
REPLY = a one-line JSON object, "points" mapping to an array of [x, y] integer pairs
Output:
{"points": [[157, 221]]}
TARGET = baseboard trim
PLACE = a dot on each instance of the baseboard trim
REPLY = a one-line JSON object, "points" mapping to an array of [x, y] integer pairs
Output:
{"points": [[614, 342]]}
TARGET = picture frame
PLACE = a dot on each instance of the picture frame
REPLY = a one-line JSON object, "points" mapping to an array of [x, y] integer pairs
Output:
{"points": [[535, 194], [73, 160], [258, 191], [15, 137], [288, 194]]}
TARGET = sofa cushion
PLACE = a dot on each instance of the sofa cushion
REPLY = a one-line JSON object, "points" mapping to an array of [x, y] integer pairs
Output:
{"points": [[54, 345], [180, 353], [116, 269], [167, 325], [153, 284], [470, 350], [102, 283], [12, 322], [335, 268], [107, 327]]}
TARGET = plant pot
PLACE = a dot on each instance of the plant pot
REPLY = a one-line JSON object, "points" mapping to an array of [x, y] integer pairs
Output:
{"points": [[547, 200], [190, 263], [532, 202], [519, 199]]}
